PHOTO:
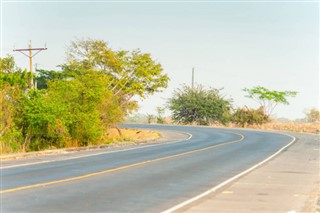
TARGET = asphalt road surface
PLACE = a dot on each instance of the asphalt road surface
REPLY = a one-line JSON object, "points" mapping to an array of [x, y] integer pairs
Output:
{"points": [[144, 179]]}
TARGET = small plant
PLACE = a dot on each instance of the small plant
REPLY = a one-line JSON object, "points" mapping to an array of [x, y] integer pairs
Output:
{"points": [[150, 118], [160, 118]]}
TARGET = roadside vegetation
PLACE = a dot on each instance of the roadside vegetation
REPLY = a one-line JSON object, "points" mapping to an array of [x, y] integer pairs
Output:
{"points": [[291, 126], [200, 106], [197, 105], [78, 105], [130, 135], [97, 88]]}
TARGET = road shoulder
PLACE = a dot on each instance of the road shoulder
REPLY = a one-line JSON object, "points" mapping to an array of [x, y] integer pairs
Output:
{"points": [[289, 182], [30, 158]]}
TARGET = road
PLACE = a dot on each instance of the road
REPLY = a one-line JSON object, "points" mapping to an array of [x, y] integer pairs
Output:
{"points": [[144, 179]]}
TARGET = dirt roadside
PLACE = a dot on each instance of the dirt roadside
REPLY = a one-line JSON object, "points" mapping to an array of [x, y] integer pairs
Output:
{"points": [[165, 137]]}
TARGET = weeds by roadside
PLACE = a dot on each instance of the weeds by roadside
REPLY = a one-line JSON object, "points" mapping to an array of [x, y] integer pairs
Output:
{"points": [[112, 136]]}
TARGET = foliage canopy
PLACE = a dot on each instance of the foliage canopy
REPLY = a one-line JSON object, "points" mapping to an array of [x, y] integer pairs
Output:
{"points": [[199, 105], [76, 106], [130, 73], [269, 99]]}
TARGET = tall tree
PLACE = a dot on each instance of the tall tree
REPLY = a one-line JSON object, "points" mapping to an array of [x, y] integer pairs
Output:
{"points": [[94, 91], [269, 99], [130, 73], [13, 86]]}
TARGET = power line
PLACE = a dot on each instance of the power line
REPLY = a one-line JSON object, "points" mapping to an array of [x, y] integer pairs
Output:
{"points": [[30, 56]]}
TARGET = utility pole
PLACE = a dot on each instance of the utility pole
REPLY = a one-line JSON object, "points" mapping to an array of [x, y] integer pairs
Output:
{"points": [[192, 81], [30, 56]]}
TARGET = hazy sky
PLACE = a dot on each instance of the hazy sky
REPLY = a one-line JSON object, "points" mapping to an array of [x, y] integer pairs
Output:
{"points": [[230, 44]]}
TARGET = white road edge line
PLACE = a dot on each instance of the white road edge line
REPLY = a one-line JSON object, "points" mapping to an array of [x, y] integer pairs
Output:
{"points": [[101, 153], [187, 202]]}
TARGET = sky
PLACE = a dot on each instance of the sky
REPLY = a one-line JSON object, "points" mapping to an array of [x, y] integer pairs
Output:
{"points": [[231, 44]]}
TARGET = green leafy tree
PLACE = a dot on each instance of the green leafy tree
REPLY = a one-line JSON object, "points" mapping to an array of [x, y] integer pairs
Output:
{"points": [[245, 116], [269, 99], [130, 73], [7, 64], [189, 105], [12, 76], [76, 106], [35, 116], [10, 135], [13, 87], [48, 75], [71, 112]]}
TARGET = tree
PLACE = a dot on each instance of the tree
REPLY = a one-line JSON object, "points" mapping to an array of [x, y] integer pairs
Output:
{"points": [[269, 99], [48, 75], [7, 65], [74, 107], [199, 105], [130, 73], [313, 115], [13, 86], [12, 76], [69, 112]]}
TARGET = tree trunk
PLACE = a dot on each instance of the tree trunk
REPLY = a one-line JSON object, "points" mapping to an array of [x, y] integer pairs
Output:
{"points": [[118, 129], [5, 129]]}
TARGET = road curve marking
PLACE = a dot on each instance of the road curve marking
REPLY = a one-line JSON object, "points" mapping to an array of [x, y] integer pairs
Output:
{"points": [[101, 153], [121, 167], [187, 202]]}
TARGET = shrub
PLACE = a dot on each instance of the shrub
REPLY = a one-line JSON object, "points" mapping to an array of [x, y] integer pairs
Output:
{"points": [[245, 116], [199, 105]]}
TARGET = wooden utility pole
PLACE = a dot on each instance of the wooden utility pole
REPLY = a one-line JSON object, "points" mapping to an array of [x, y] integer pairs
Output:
{"points": [[30, 56], [192, 80]]}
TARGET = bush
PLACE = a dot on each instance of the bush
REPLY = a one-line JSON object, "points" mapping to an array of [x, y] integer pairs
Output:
{"points": [[245, 116], [198, 105]]}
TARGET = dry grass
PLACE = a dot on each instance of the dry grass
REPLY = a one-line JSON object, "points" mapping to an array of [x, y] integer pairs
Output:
{"points": [[293, 127], [313, 128], [130, 135], [111, 138]]}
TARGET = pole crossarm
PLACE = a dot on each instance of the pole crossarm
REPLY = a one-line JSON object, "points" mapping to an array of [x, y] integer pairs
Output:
{"points": [[39, 50], [30, 56]]}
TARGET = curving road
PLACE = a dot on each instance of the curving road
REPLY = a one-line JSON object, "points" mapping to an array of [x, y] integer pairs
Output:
{"points": [[144, 179]]}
